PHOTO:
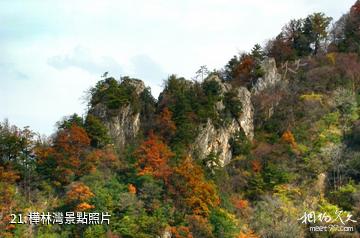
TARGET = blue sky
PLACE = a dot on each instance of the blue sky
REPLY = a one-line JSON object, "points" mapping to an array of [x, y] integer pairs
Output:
{"points": [[53, 51]]}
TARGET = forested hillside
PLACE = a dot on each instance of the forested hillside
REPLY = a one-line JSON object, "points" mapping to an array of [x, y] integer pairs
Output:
{"points": [[250, 150]]}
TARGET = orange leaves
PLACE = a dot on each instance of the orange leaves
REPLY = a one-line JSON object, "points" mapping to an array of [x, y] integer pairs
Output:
{"points": [[8, 176], [153, 156], [186, 182], [256, 166], [132, 189], [72, 140], [181, 232], [247, 63], [240, 203], [70, 147], [71, 156], [108, 156], [90, 162], [78, 192], [249, 234], [190, 187], [83, 207], [78, 195], [166, 126], [43, 152], [288, 137], [7, 201]]}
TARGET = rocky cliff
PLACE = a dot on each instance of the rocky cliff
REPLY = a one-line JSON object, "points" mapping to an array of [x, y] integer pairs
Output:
{"points": [[125, 122], [216, 140], [270, 78]]}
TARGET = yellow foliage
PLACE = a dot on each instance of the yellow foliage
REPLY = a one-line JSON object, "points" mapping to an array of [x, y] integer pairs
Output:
{"points": [[311, 97], [249, 234], [331, 57], [83, 207]]}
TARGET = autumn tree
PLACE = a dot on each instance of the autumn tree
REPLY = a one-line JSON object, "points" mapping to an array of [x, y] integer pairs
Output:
{"points": [[152, 158], [71, 145], [280, 48], [181, 232], [69, 157], [243, 69], [247, 234], [7, 201], [78, 196], [132, 189], [289, 138], [165, 125], [193, 193]]}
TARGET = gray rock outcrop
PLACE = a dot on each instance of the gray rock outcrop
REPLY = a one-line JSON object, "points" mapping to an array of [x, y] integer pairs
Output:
{"points": [[216, 140], [124, 123]]}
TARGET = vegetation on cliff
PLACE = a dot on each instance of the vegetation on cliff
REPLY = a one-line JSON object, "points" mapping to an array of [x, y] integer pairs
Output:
{"points": [[304, 155]]}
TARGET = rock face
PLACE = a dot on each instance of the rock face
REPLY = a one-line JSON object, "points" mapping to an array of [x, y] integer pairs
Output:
{"points": [[216, 140], [246, 118], [124, 123], [271, 77], [122, 127]]}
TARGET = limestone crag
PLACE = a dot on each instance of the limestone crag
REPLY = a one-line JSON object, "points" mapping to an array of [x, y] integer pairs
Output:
{"points": [[270, 79], [216, 140], [124, 123]]}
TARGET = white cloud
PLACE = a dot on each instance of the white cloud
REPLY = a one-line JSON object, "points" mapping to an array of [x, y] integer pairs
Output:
{"points": [[62, 47], [83, 59]]}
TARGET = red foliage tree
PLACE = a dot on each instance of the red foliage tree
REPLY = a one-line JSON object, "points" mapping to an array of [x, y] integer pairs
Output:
{"points": [[289, 138], [132, 189], [281, 49], [152, 158], [256, 166], [7, 201], [69, 157], [246, 65], [192, 192], [78, 196], [165, 125], [181, 232]]}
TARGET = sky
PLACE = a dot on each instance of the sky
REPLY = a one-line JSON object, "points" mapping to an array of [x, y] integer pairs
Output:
{"points": [[52, 52]]}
